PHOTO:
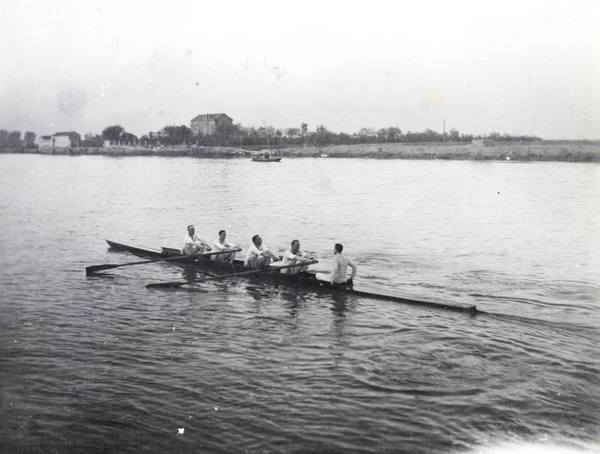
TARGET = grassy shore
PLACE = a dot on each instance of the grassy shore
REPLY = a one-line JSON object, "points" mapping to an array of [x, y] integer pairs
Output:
{"points": [[537, 151], [567, 152]]}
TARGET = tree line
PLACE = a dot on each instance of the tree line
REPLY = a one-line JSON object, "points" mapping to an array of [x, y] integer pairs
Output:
{"points": [[238, 135], [11, 140], [263, 136]]}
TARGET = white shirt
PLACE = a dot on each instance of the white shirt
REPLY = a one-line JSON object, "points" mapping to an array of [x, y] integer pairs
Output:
{"points": [[191, 244], [254, 252], [221, 246], [289, 258]]}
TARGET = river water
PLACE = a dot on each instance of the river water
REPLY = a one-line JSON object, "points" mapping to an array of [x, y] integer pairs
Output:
{"points": [[102, 364]]}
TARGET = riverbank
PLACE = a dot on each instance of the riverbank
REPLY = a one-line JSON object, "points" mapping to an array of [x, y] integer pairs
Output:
{"points": [[567, 152], [498, 151]]}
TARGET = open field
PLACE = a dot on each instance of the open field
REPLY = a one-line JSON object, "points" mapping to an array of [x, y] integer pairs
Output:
{"points": [[537, 151]]}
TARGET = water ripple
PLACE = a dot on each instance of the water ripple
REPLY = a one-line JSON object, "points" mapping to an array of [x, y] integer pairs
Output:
{"points": [[102, 364]]}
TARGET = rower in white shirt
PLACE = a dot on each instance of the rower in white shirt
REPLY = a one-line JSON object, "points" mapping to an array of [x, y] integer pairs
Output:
{"points": [[222, 244], [258, 255], [192, 244], [293, 256]]}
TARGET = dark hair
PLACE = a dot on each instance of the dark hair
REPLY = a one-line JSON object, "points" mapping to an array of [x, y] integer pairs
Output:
{"points": [[191, 225], [221, 231], [294, 241], [254, 238], [339, 247]]}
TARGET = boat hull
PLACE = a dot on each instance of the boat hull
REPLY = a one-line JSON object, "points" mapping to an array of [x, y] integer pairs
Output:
{"points": [[303, 279], [266, 159]]}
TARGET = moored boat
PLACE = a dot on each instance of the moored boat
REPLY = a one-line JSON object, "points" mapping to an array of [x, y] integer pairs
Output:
{"points": [[302, 279], [266, 156]]}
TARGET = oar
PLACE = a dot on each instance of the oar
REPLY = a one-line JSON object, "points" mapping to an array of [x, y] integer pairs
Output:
{"points": [[89, 270], [226, 276]]}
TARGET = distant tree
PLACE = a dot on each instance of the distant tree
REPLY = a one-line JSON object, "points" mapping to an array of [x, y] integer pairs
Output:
{"points": [[252, 136], [292, 133], [277, 137], [129, 138], [239, 135], [344, 138], [271, 133], [113, 132], [176, 135], [431, 136], [29, 139], [367, 135], [92, 140], [263, 134], [224, 135], [14, 139], [304, 132], [412, 136], [322, 136], [393, 134], [453, 135], [266, 136], [3, 138]]}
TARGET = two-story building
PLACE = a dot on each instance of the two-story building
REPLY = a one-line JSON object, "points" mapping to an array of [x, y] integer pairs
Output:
{"points": [[208, 124], [69, 139]]}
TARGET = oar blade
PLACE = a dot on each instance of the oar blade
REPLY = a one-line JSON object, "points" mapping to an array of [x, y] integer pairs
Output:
{"points": [[95, 268], [166, 284], [89, 270]]}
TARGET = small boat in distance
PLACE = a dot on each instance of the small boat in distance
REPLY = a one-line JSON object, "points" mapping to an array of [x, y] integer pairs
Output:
{"points": [[265, 156]]}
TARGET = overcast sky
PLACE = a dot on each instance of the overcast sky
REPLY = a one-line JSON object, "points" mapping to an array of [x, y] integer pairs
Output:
{"points": [[520, 67]]}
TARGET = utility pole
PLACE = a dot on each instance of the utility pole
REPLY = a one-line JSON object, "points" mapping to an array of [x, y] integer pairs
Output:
{"points": [[444, 132]]}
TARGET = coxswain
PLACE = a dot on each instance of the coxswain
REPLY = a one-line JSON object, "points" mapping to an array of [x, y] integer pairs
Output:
{"points": [[223, 244], [293, 256], [258, 255], [192, 244]]}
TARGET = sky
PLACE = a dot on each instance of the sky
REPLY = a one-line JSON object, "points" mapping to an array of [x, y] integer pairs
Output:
{"points": [[527, 67]]}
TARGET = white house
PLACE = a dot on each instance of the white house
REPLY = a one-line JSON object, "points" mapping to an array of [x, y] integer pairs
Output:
{"points": [[69, 139]]}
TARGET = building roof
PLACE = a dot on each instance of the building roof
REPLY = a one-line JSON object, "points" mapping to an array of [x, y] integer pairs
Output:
{"points": [[67, 133], [202, 117]]}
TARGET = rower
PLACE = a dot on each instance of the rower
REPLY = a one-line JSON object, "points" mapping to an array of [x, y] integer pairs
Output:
{"points": [[222, 244], [293, 256], [339, 267], [258, 255], [192, 244]]}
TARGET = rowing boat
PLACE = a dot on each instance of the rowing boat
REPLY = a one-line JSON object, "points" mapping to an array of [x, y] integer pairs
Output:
{"points": [[302, 279]]}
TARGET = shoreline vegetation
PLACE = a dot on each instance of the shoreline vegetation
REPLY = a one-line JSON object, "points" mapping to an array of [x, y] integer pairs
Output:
{"points": [[561, 151]]}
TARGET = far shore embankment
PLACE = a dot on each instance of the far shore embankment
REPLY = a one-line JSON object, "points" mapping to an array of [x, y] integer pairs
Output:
{"points": [[562, 151]]}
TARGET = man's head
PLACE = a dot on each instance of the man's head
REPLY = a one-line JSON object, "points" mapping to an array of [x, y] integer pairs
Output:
{"points": [[338, 248], [257, 240], [191, 229], [295, 246], [222, 234]]}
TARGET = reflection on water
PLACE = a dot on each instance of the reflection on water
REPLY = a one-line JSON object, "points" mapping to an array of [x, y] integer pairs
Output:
{"points": [[102, 364], [340, 302]]}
